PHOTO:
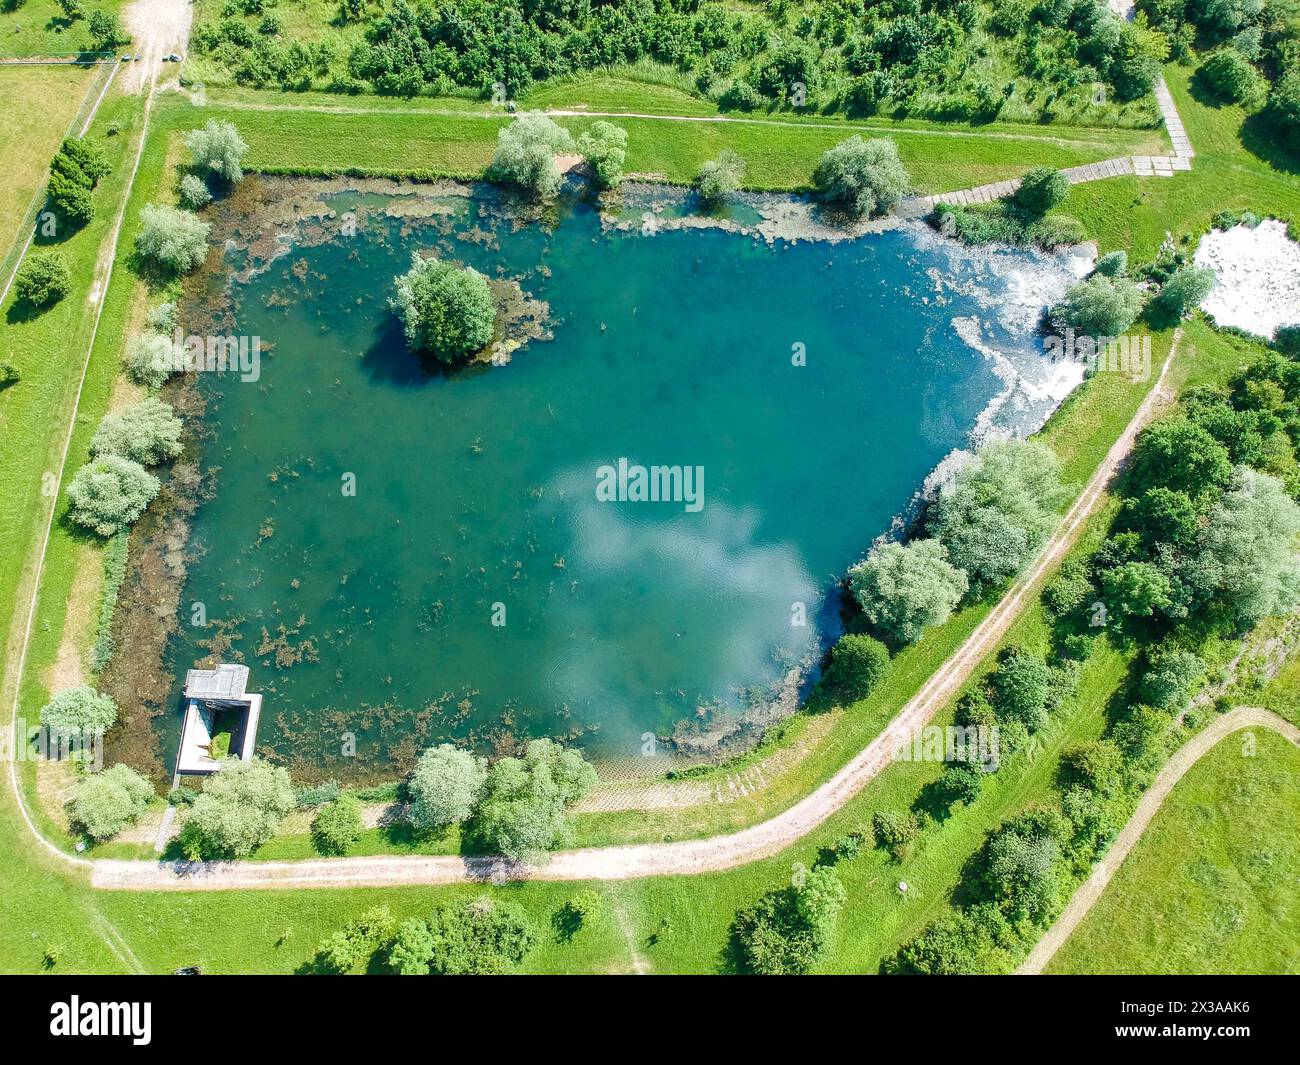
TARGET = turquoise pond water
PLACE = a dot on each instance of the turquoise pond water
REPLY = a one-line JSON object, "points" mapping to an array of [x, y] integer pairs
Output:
{"points": [[478, 487]]}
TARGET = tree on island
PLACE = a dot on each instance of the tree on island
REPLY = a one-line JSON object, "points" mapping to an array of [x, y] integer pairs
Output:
{"points": [[446, 310]]}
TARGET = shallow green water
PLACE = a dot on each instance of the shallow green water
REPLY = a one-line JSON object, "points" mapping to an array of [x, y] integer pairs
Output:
{"points": [[478, 487]]}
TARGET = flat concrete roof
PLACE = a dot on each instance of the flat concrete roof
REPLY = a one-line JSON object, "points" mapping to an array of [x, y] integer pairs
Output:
{"points": [[227, 681]]}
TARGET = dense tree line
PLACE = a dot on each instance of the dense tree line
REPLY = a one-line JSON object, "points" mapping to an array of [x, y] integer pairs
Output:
{"points": [[917, 55]]}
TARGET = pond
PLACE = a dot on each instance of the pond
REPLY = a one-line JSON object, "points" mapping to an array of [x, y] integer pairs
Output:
{"points": [[406, 555]]}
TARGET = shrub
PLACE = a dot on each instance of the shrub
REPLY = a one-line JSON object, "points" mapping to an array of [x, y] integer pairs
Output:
{"points": [[170, 239], [1185, 290], [785, 932], [1021, 869], [857, 664], [895, 832], [577, 913], [194, 192], [525, 154], [240, 807], [741, 96], [1284, 104], [903, 590], [1099, 306], [719, 179], [523, 810], [862, 177], [996, 511], [1113, 264], [1022, 685], [70, 199], [444, 787], [219, 149], [109, 493], [1042, 189], [151, 358], [88, 158], [355, 942], [1230, 77], [954, 945], [338, 825], [9, 375], [1070, 589], [959, 782], [411, 949], [105, 31], [104, 803], [481, 937], [79, 711], [446, 311], [147, 432], [604, 146], [43, 280], [1096, 764]]}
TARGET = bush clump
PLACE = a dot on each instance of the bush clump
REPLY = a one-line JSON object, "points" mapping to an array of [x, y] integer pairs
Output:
{"points": [[104, 803], [1042, 189], [719, 179], [147, 432], [110, 493], [79, 711], [446, 310], [170, 239], [337, 827], [857, 664], [862, 177], [43, 280], [525, 154]]}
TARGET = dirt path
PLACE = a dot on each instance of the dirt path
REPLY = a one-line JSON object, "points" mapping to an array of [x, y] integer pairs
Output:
{"points": [[157, 28], [16, 662], [1186, 757], [688, 856]]}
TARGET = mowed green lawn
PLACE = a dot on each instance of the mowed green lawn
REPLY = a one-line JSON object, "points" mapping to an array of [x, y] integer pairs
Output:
{"points": [[38, 103], [39, 28], [456, 138], [1211, 886]]}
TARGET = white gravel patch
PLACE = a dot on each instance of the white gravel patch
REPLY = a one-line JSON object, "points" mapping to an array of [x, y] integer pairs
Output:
{"points": [[1258, 287]]}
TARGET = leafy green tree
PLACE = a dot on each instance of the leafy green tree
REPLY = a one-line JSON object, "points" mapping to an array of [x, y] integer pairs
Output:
{"points": [[194, 192], [72, 9], [1136, 589], [523, 810], [219, 149], [997, 510], [525, 154], [959, 782], [1176, 454], [1230, 77], [1099, 306], [43, 280], [857, 664], [355, 943], [1113, 264], [1021, 869], [1022, 687], [604, 146], [785, 931], [1070, 590], [105, 31], [110, 493], [412, 948], [1185, 290], [79, 711], [83, 160], [1171, 678], [719, 179], [446, 311], [337, 827], [104, 803], [239, 809], [70, 200], [1098, 764], [905, 589], [1163, 516], [862, 177], [147, 432], [170, 239], [1247, 559], [895, 832], [580, 911], [954, 945], [1042, 189], [444, 787], [151, 358], [1284, 104], [482, 937]]}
